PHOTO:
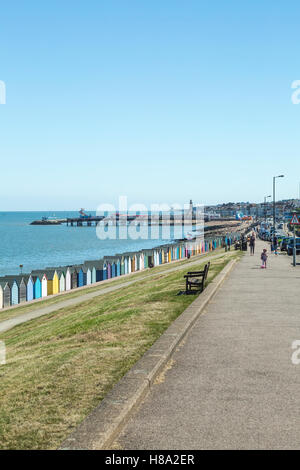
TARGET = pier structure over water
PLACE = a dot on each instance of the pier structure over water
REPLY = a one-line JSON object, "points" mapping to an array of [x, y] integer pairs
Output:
{"points": [[147, 219]]}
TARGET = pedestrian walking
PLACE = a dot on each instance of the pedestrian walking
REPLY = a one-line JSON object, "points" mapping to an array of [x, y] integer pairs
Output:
{"points": [[228, 243], [275, 244], [264, 257], [224, 244], [252, 243]]}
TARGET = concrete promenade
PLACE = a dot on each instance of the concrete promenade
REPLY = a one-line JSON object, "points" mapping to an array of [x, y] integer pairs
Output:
{"points": [[231, 384]]}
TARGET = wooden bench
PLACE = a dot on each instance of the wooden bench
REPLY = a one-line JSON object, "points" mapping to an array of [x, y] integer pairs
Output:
{"points": [[196, 279]]}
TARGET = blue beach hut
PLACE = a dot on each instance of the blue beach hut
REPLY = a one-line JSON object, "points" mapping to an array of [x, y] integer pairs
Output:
{"points": [[81, 276], [37, 287], [105, 272], [118, 266], [100, 270], [30, 289], [113, 269]]}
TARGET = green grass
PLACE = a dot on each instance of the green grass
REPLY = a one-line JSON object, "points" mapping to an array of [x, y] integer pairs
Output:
{"points": [[29, 307], [59, 367]]}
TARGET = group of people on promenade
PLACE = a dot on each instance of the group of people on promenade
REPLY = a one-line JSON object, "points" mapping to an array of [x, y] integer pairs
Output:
{"points": [[264, 253]]}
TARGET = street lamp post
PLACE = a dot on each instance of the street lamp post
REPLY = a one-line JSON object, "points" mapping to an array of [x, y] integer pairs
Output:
{"points": [[265, 208], [274, 203]]}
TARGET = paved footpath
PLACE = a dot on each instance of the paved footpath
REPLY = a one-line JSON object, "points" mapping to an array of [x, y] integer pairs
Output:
{"points": [[231, 384]]}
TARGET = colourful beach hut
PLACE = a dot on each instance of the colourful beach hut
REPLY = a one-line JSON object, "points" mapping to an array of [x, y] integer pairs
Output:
{"points": [[37, 287], [70, 277], [156, 261], [62, 281], [126, 264], [108, 268], [88, 275], [30, 289], [137, 262], [44, 285], [166, 254], [18, 286], [148, 258], [52, 281], [113, 269], [81, 276], [105, 272], [44, 282], [115, 263], [1, 296], [74, 279], [118, 267], [14, 292], [122, 266], [100, 270], [134, 261], [141, 260], [55, 283], [91, 274], [68, 280], [23, 289], [5, 293]]}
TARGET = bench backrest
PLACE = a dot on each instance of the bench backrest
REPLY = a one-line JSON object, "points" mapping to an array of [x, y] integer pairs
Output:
{"points": [[206, 270]]}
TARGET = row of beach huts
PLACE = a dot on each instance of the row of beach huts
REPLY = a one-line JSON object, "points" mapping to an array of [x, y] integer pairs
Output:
{"points": [[39, 284]]}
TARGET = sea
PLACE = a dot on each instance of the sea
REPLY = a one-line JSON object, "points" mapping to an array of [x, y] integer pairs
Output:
{"points": [[41, 246]]}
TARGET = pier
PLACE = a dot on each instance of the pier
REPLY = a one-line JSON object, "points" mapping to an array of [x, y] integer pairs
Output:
{"points": [[148, 219]]}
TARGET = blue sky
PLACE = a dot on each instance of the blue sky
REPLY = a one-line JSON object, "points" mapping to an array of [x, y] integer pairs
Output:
{"points": [[161, 101]]}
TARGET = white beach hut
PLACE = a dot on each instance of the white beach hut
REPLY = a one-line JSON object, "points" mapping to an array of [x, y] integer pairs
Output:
{"points": [[44, 286], [1, 296], [62, 282], [68, 279], [88, 276]]}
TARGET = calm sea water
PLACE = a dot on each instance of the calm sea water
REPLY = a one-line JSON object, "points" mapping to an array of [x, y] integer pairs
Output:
{"points": [[37, 247]]}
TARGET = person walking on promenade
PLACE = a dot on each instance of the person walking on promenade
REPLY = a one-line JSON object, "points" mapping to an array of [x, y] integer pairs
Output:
{"points": [[224, 244], [275, 244], [264, 258], [228, 243], [252, 243]]}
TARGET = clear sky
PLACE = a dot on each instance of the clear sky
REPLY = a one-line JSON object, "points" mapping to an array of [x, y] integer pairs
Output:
{"points": [[161, 101]]}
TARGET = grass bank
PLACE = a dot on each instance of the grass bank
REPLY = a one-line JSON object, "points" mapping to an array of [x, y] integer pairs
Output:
{"points": [[13, 312], [59, 367]]}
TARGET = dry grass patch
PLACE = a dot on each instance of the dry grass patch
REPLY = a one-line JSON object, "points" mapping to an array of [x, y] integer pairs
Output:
{"points": [[59, 367]]}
